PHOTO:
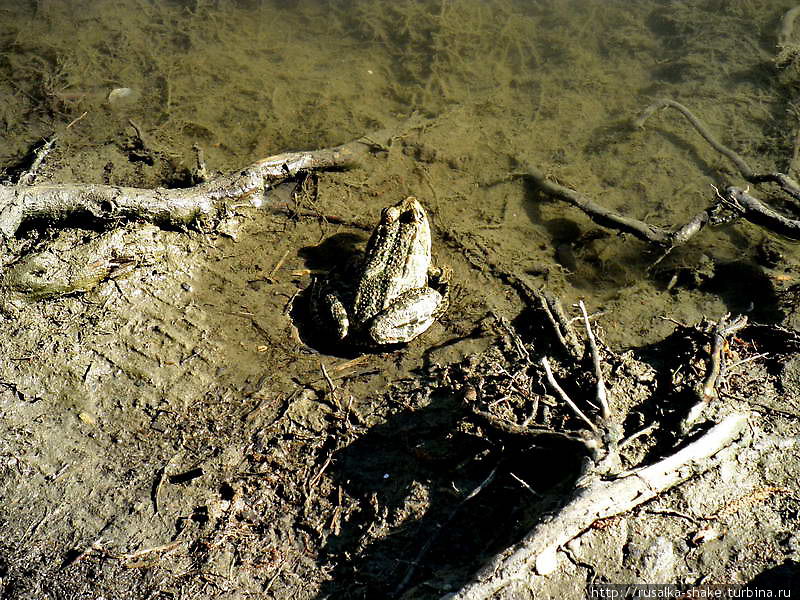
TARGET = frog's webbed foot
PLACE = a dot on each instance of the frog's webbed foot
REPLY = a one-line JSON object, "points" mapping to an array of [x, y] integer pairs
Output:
{"points": [[439, 275], [409, 315]]}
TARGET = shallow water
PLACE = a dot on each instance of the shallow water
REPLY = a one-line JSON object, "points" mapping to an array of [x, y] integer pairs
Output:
{"points": [[551, 82]]}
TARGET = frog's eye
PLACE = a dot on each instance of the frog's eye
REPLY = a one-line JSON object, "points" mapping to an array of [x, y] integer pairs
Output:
{"points": [[390, 214], [410, 216]]}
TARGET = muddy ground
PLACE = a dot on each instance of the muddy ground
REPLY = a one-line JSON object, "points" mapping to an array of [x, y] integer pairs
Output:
{"points": [[170, 433]]}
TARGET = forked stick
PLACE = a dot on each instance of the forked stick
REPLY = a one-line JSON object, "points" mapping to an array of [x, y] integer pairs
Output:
{"points": [[738, 200], [789, 185]]}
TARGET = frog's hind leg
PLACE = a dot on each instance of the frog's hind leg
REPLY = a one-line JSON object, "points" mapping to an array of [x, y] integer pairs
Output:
{"points": [[328, 310], [409, 315]]}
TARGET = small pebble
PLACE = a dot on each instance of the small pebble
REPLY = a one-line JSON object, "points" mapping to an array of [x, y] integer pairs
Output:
{"points": [[123, 96]]}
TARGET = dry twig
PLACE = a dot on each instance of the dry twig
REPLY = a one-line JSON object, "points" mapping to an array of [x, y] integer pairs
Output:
{"points": [[707, 391]]}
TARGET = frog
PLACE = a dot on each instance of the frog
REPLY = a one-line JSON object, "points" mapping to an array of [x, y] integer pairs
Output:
{"points": [[392, 293]]}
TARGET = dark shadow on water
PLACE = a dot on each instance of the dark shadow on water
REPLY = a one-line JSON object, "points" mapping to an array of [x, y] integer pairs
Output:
{"points": [[745, 288], [410, 476]]}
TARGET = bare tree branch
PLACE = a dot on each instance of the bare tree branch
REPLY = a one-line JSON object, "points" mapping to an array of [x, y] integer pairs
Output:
{"points": [[659, 236], [735, 199]]}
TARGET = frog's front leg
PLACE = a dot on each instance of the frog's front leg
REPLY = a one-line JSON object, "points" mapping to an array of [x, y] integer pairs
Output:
{"points": [[409, 315], [329, 309]]}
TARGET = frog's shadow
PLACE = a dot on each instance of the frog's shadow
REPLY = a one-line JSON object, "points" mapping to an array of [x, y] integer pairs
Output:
{"points": [[335, 251]]}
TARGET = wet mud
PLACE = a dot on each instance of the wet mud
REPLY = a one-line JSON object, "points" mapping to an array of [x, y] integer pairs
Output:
{"points": [[167, 430]]}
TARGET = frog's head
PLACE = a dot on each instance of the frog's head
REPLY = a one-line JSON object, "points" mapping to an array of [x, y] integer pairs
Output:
{"points": [[406, 211], [400, 244]]}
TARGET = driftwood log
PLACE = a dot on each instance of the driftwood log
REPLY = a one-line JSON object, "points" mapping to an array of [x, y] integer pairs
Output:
{"points": [[179, 206], [171, 207]]}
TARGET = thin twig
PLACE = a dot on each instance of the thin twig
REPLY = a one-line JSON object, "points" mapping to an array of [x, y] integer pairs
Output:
{"points": [[524, 484], [722, 331], [743, 361], [166, 548], [516, 341], [328, 380], [558, 320], [512, 428], [28, 177], [602, 396], [707, 391], [635, 436], [563, 395], [76, 119]]}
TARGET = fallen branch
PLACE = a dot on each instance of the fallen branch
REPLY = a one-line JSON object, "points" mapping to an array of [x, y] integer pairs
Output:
{"points": [[659, 236], [604, 488], [759, 213], [181, 206], [735, 199], [786, 183], [598, 499], [653, 234]]}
